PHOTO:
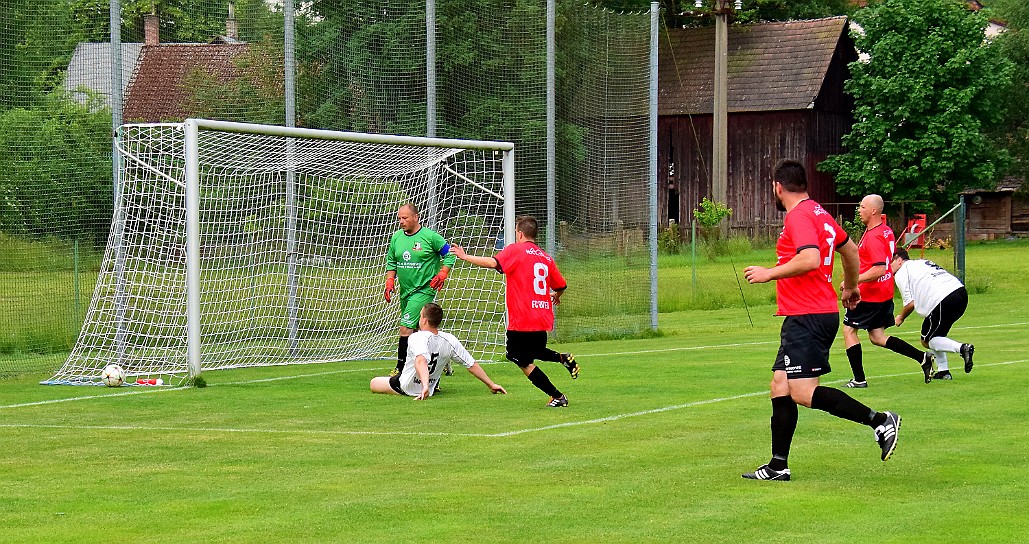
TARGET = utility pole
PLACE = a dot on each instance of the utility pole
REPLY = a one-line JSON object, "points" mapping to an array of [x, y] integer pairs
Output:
{"points": [[720, 112]]}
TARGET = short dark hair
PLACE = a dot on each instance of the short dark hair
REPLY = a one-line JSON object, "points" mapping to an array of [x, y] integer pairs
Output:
{"points": [[526, 224], [791, 175], [901, 253], [433, 314], [414, 209]]}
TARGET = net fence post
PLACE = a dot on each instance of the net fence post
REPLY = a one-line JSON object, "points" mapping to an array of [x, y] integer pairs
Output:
{"points": [[192, 174], [551, 240], [292, 279], [289, 69], [654, 21], [430, 68], [116, 93], [289, 62], [959, 239], [120, 297]]}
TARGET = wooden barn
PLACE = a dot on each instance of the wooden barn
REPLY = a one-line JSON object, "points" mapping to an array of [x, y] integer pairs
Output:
{"points": [[997, 213], [785, 100]]}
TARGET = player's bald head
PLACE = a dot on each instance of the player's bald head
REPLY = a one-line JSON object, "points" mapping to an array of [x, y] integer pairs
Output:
{"points": [[873, 202]]}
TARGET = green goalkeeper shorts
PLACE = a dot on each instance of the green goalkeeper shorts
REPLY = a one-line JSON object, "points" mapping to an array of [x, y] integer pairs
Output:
{"points": [[411, 308]]}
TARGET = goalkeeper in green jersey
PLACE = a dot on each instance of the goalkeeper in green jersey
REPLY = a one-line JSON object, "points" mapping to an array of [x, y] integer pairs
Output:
{"points": [[417, 264]]}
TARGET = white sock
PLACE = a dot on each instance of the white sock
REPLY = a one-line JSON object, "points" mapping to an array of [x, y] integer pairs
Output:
{"points": [[941, 360], [942, 343]]}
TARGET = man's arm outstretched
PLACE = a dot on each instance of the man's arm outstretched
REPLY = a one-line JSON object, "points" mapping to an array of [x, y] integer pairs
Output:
{"points": [[485, 262]]}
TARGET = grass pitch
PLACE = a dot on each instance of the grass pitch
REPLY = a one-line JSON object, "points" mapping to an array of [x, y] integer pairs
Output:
{"points": [[650, 450]]}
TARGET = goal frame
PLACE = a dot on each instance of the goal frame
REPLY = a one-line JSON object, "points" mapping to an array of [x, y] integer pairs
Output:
{"points": [[192, 128], [191, 222]]}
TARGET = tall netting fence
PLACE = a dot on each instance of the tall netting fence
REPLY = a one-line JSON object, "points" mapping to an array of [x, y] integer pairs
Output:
{"points": [[603, 214], [491, 66], [359, 66], [58, 103], [55, 184]]}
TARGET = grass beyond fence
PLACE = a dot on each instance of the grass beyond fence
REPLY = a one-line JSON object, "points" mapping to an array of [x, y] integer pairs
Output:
{"points": [[45, 298], [650, 450]]}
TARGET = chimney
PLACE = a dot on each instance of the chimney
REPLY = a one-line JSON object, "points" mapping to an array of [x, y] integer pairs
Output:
{"points": [[231, 30], [151, 30]]}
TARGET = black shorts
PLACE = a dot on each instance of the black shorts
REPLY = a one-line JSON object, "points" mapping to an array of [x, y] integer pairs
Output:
{"points": [[804, 345], [394, 384], [525, 347], [870, 315], [945, 314]]}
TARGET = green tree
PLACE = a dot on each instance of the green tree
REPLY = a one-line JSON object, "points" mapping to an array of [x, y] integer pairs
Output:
{"points": [[923, 99], [1012, 133], [357, 66], [255, 95], [56, 164]]}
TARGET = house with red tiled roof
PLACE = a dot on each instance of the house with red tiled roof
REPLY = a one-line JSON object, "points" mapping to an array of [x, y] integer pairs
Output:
{"points": [[167, 79], [785, 100]]}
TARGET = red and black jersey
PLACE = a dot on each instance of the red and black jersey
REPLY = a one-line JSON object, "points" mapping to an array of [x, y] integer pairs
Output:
{"points": [[531, 276], [808, 225]]}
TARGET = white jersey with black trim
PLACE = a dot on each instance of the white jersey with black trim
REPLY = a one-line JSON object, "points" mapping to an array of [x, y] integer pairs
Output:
{"points": [[438, 349], [926, 283]]}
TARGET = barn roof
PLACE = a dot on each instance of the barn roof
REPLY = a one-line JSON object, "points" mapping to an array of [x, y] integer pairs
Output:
{"points": [[159, 87], [772, 66]]}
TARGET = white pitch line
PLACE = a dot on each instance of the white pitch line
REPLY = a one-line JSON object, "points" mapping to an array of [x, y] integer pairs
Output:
{"points": [[145, 390], [913, 332], [699, 403], [505, 434], [682, 348], [239, 431]]}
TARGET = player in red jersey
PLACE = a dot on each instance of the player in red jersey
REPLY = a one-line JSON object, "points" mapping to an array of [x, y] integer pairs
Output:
{"points": [[534, 287], [875, 311], [805, 296]]}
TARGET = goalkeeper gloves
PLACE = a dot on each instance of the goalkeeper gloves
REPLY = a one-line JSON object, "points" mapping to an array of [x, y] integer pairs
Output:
{"points": [[390, 287], [437, 282]]}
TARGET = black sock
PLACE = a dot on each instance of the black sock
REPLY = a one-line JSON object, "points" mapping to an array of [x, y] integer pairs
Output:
{"points": [[784, 422], [897, 345], [844, 406], [401, 353], [854, 355], [547, 354], [541, 381]]}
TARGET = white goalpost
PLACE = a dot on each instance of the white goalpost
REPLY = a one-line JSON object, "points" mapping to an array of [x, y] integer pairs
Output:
{"points": [[236, 245]]}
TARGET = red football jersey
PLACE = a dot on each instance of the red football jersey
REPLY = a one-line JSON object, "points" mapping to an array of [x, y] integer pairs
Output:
{"points": [[808, 225], [876, 248], [531, 275]]}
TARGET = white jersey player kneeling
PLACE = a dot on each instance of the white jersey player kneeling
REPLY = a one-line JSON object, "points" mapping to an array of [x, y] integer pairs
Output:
{"points": [[428, 351]]}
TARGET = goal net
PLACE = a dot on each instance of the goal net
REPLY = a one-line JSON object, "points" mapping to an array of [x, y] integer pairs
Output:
{"points": [[236, 245]]}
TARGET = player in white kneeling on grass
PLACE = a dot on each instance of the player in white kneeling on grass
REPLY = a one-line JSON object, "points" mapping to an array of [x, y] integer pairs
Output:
{"points": [[939, 297], [428, 351]]}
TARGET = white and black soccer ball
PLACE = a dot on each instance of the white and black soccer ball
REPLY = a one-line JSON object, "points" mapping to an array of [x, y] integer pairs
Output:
{"points": [[113, 375]]}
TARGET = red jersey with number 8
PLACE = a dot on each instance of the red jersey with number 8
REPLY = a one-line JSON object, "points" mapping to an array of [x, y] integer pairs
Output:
{"points": [[531, 276], [808, 225]]}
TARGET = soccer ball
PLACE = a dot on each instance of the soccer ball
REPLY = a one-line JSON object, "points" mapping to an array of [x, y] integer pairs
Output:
{"points": [[112, 376]]}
